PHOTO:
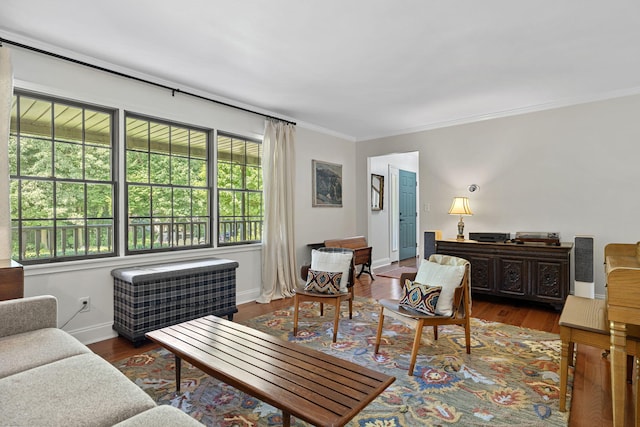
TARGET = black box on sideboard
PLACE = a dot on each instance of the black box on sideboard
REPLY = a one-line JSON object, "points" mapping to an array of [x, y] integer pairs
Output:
{"points": [[490, 237]]}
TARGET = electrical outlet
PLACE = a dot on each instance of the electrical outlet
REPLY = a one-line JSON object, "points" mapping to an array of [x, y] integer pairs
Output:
{"points": [[85, 302]]}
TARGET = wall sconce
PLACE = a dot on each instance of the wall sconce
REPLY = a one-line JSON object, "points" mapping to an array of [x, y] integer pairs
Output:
{"points": [[460, 206]]}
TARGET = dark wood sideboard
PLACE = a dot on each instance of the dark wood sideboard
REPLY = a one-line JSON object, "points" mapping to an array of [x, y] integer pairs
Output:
{"points": [[529, 271], [11, 280]]}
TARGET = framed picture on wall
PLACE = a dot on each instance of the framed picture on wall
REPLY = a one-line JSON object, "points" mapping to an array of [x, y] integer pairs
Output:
{"points": [[327, 184]]}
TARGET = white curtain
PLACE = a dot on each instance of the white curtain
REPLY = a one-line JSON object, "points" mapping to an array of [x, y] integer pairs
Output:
{"points": [[6, 96], [278, 243]]}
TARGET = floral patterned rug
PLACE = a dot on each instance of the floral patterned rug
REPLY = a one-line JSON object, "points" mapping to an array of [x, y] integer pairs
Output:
{"points": [[510, 378]]}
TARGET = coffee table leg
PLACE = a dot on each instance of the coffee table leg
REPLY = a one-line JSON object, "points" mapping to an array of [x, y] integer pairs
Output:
{"points": [[286, 419], [178, 369]]}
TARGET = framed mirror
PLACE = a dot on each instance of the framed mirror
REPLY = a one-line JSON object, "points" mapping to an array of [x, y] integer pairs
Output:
{"points": [[377, 192]]}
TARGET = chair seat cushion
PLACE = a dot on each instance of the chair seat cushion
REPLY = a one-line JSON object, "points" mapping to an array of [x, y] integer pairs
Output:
{"points": [[448, 277], [325, 282], [333, 261], [419, 297]]}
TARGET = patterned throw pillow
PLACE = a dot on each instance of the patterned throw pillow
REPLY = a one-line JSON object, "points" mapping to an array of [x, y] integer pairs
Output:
{"points": [[419, 297], [325, 282]]}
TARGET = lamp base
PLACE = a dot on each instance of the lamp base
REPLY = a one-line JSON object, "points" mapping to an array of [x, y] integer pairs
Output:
{"points": [[460, 235]]}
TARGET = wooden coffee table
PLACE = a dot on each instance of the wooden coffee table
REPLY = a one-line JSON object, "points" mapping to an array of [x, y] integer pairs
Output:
{"points": [[313, 386]]}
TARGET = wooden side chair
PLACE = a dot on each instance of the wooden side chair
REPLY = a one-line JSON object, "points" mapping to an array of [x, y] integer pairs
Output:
{"points": [[585, 321], [459, 313], [302, 295]]}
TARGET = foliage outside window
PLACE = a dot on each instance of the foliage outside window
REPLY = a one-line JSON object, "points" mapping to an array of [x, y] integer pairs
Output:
{"points": [[61, 180], [167, 186], [240, 202]]}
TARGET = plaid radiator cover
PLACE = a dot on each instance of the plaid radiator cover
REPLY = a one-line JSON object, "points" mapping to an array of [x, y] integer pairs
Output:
{"points": [[149, 297]]}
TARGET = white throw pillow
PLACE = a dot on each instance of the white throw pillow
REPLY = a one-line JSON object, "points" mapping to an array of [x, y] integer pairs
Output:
{"points": [[332, 261], [446, 276]]}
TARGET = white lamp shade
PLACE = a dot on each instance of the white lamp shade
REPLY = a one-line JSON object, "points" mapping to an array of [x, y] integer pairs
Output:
{"points": [[460, 206]]}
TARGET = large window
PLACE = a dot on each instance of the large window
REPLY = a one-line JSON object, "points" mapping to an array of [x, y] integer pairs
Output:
{"points": [[167, 186], [240, 203], [62, 180]]}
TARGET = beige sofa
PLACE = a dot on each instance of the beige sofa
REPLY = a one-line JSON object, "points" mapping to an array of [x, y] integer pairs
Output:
{"points": [[47, 377]]}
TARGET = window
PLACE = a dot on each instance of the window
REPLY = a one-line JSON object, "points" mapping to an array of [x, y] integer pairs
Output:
{"points": [[240, 203], [62, 180], [167, 186]]}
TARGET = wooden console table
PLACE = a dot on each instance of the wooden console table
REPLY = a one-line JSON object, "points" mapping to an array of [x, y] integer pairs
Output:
{"points": [[11, 280], [529, 271]]}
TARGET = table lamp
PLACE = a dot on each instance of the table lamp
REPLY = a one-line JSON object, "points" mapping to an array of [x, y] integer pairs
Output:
{"points": [[460, 206]]}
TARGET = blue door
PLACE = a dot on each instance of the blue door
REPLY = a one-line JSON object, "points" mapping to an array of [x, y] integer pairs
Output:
{"points": [[407, 214]]}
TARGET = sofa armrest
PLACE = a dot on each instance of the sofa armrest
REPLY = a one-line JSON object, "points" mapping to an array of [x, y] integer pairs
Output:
{"points": [[28, 314]]}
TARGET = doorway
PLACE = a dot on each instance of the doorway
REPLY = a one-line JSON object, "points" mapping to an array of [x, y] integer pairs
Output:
{"points": [[407, 214]]}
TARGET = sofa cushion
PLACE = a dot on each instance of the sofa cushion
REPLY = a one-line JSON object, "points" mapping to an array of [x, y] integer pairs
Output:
{"points": [[163, 415], [31, 349], [76, 391]]}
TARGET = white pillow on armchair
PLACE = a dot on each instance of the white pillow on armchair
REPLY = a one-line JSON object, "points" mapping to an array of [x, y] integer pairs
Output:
{"points": [[333, 262], [448, 277]]}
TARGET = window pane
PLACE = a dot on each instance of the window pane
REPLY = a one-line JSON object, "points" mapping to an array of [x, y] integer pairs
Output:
{"points": [[35, 157], [67, 122], [37, 240], [100, 236], [200, 203], [161, 201], [179, 141], [160, 169], [198, 145], [99, 163], [99, 201], [68, 160], [137, 134], [254, 178], [70, 238], [255, 204], [137, 166], [254, 153], [180, 171], [224, 175], [198, 175], [159, 138], [37, 199], [97, 128], [13, 155], [182, 202], [35, 117], [70, 200], [237, 176], [139, 199]]}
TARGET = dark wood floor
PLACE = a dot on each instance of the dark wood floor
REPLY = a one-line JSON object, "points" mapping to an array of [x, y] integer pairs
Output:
{"points": [[591, 402]]}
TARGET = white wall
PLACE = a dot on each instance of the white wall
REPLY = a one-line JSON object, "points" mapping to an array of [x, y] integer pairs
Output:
{"points": [[573, 170], [70, 281], [314, 225]]}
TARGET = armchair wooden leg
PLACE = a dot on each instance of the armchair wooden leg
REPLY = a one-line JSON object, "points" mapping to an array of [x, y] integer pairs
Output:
{"points": [[379, 333], [467, 333], [416, 345], [435, 332], [336, 319], [295, 315]]}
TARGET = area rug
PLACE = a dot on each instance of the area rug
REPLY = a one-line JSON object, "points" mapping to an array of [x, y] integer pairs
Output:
{"points": [[510, 378], [396, 272]]}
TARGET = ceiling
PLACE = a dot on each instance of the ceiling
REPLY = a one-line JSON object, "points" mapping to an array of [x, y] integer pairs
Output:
{"points": [[357, 68]]}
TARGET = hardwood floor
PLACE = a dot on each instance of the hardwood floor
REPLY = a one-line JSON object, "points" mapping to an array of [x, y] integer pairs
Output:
{"points": [[591, 402]]}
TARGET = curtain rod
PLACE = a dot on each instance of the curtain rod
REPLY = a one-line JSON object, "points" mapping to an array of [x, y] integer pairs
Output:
{"points": [[149, 82]]}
